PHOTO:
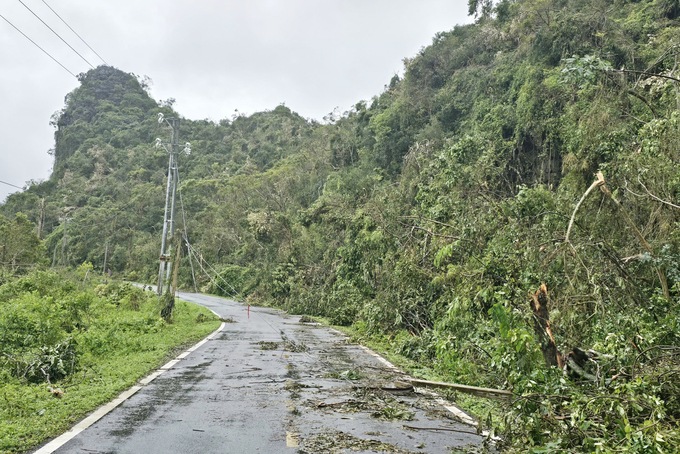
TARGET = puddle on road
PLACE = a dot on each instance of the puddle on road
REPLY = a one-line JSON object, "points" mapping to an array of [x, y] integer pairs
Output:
{"points": [[193, 374], [133, 420], [200, 366]]}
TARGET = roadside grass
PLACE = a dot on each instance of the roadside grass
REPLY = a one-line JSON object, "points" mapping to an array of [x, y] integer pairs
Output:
{"points": [[118, 335]]}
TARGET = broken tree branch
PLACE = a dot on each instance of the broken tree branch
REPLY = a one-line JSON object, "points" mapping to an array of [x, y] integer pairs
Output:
{"points": [[447, 429], [631, 71], [344, 402], [641, 98], [539, 306], [489, 392], [638, 234], [655, 197], [596, 183]]}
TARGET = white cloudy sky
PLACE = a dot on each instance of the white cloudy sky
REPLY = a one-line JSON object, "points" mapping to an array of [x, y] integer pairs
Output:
{"points": [[212, 56]]}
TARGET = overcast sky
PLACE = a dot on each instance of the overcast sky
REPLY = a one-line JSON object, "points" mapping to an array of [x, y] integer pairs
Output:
{"points": [[211, 56]]}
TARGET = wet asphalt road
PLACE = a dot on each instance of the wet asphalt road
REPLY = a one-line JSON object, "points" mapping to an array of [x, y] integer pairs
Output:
{"points": [[269, 384]]}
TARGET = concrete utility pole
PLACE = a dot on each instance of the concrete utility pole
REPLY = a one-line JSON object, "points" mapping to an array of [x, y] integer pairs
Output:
{"points": [[171, 191]]}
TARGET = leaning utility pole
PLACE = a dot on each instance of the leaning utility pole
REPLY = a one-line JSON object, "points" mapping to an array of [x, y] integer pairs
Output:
{"points": [[171, 191]]}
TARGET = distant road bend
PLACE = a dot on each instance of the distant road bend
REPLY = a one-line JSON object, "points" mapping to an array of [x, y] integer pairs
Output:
{"points": [[270, 384]]}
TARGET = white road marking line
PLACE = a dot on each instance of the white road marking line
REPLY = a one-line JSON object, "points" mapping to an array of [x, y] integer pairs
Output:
{"points": [[458, 412], [87, 422]]}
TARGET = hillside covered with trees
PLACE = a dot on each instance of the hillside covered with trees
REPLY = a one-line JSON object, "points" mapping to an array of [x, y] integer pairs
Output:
{"points": [[529, 159]]}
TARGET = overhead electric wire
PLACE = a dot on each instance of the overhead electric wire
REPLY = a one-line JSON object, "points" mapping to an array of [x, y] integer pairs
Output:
{"points": [[36, 45], [199, 258], [184, 222], [10, 184], [74, 32], [218, 275], [23, 189], [45, 23], [193, 251]]}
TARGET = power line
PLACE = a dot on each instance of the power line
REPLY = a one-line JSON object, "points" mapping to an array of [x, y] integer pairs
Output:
{"points": [[27, 191], [192, 251], [10, 184], [74, 32], [186, 237], [199, 257], [44, 23], [36, 45]]}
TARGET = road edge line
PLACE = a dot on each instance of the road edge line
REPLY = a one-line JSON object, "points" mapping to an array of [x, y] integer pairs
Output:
{"points": [[461, 414], [106, 408], [456, 411]]}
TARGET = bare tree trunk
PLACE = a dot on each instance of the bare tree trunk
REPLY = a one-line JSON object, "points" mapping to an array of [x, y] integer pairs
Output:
{"points": [[539, 306]]}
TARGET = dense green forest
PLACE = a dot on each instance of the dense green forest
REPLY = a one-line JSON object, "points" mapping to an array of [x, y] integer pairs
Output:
{"points": [[538, 145]]}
